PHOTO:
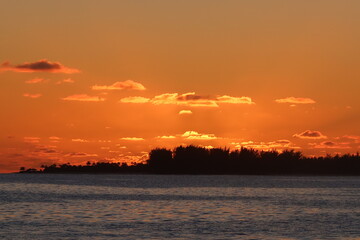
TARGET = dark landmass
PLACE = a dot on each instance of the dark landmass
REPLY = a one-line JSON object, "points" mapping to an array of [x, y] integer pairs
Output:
{"points": [[198, 160]]}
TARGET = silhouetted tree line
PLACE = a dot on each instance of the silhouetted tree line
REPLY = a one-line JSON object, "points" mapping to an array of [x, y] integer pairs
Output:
{"points": [[199, 160]]}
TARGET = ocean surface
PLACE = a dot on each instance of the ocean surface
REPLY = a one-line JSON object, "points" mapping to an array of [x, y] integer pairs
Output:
{"points": [[41, 206]]}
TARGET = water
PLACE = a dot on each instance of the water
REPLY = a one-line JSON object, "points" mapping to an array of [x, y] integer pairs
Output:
{"points": [[40, 206]]}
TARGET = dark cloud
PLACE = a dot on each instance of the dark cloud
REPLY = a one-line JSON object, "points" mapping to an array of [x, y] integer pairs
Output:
{"points": [[38, 66], [309, 134], [192, 97]]}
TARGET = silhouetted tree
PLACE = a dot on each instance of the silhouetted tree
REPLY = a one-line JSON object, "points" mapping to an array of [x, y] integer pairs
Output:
{"points": [[199, 160]]}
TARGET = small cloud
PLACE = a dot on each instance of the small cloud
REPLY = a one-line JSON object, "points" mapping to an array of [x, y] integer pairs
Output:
{"points": [[128, 84], [193, 135], [83, 98], [120, 146], [209, 147], [246, 143], [38, 66], [330, 144], [79, 140], [352, 137], [135, 100], [35, 80], [166, 137], [54, 138], [193, 100], [295, 100], [266, 146], [234, 100], [308, 134], [185, 112], [31, 139], [283, 141], [166, 98], [29, 95], [67, 80], [80, 154], [132, 139]]}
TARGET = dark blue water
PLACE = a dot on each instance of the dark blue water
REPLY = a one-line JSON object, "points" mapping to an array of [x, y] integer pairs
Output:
{"points": [[178, 207]]}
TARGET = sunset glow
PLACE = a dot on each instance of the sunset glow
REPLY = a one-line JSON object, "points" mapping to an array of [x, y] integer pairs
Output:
{"points": [[109, 81]]}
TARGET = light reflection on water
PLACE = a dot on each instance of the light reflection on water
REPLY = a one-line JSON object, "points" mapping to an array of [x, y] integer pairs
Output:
{"points": [[178, 207]]}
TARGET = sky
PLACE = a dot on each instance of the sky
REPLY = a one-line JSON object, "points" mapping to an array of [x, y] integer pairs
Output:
{"points": [[110, 80]]}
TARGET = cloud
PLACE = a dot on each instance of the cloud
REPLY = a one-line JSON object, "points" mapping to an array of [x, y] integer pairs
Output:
{"points": [[193, 135], [80, 154], [308, 134], [234, 100], [54, 139], [189, 99], [356, 139], [193, 100], [79, 140], [128, 84], [38, 66], [166, 137], [83, 98], [185, 112], [35, 80], [330, 144], [29, 95], [45, 150], [209, 147], [67, 80], [31, 139], [295, 100], [132, 139], [135, 100], [277, 144]]}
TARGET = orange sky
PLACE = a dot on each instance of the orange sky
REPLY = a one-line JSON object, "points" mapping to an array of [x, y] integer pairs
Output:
{"points": [[110, 80]]}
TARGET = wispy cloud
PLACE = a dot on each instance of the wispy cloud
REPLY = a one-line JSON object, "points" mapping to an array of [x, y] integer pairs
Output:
{"points": [[234, 100], [79, 140], [80, 155], [185, 112], [83, 98], [309, 134], [331, 144], [31, 139], [54, 139], [35, 80], [38, 66], [67, 80], [135, 100], [295, 100], [266, 146], [132, 139], [128, 84], [166, 137], [30, 95]]}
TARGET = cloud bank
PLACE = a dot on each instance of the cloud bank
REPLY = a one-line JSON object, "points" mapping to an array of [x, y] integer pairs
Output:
{"points": [[190, 99]]}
